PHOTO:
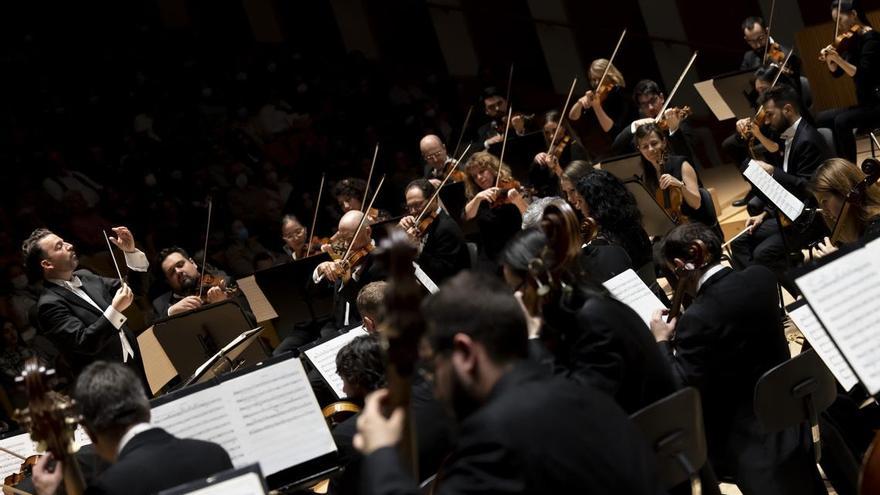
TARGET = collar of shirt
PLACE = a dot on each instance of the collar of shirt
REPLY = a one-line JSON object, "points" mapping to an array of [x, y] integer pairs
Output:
{"points": [[131, 433], [74, 283], [708, 274], [789, 133]]}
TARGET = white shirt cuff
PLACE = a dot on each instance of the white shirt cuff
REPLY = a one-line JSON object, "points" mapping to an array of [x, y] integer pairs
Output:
{"points": [[137, 261], [632, 127], [115, 318], [316, 277]]}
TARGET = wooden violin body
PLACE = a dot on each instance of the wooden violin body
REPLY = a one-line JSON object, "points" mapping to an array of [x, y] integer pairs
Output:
{"points": [[844, 40], [671, 199], [683, 113]]}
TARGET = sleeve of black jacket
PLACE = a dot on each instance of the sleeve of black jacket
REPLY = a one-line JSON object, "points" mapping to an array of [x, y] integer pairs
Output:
{"points": [[56, 320]]}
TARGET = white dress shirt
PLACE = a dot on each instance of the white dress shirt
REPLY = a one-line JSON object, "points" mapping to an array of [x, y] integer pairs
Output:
{"points": [[788, 136], [131, 433], [708, 274]]}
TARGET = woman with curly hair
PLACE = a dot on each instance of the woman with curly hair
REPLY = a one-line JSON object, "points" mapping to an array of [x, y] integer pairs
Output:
{"points": [[497, 222]]}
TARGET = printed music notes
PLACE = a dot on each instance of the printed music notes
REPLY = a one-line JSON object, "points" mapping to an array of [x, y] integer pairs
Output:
{"points": [[629, 289], [323, 357], [778, 195], [806, 322]]}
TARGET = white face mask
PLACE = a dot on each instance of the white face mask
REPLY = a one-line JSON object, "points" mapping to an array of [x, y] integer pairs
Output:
{"points": [[19, 282]]}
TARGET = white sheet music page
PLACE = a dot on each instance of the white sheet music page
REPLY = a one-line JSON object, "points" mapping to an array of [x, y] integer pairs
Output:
{"points": [[787, 202], [246, 484], [629, 289], [282, 420], [262, 308], [21, 445], [714, 100], [843, 294], [323, 356], [807, 323]]}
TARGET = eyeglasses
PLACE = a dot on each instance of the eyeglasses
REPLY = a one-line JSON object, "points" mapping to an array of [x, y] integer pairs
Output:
{"points": [[431, 156], [644, 105]]}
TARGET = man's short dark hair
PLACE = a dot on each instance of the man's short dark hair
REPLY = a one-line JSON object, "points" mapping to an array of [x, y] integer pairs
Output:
{"points": [[160, 258], [678, 241], [361, 363], [110, 398], [646, 87], [350, 188], [482, 307], [33, 254], [491, 92], [752, 20], [424, 185], [782, 94]]}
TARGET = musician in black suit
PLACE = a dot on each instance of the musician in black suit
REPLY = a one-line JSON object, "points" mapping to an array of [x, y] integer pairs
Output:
{"points": [[650, 100], [521, 430], [182, 276], [496, 105], [80, 312], [756, 36], [442, 249], [803, 150], [145, 458], [722, 344]]}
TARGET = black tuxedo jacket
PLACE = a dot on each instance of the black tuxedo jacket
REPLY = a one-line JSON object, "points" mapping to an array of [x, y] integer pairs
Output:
{"points": [[347, 292], [154, 460], [77, 328], [535, 434], [445, 252], [808, 151], [724, 342]]}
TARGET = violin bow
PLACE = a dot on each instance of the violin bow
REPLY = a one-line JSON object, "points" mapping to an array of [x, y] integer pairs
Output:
{"points": [[675, 88], [314, 219], [363, 220], [369, 178], [611, 60], [562, 115], [837, 22], [464, 127], [776, 79], [205, 252], [503, 144], [510, 84], [437, 191], [769, 25], [113, 257]]}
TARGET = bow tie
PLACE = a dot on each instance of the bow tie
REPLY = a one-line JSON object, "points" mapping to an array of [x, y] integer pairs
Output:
{"points": [[788, 134], [74, 283]]}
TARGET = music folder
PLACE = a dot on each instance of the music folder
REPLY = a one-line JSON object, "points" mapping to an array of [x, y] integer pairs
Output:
{"points": [[267, 414], [842, 290]]}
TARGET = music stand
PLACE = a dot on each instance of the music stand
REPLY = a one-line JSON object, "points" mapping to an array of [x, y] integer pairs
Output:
{"points": [[624, 167], [293, 295], [727, 95], [520, 152], [237, 481], [225, 356], [655, 220], [189, 339]]}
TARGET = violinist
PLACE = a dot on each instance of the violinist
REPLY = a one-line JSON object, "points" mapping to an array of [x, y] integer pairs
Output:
{"points": [[295, 237], [498, 210], [610, 105], [803, 150], [755, 34], [144, 458], [734, 314], [442, 248], [650, 100], [78, 311], [521, 430], [856, 54], [437, 160], [349, 194], [830, 185], [546, 169], [492, 132], [671, 178], [182, 275], [348, 276]]}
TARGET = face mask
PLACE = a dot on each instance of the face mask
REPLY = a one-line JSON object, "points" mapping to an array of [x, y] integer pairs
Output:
{"points": [[20, 282]]}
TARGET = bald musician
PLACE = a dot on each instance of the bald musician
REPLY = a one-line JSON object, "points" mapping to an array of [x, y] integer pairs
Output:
{"points": [[436, 157]]}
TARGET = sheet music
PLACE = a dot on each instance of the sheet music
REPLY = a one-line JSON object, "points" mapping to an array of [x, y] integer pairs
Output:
{"points": [[843, 294], [268, 416], [714, 99], [807, 323], [20, 444], [424, 279], [262, 308], [629, 289], [323, 357], [787, 202], [246, 484]]}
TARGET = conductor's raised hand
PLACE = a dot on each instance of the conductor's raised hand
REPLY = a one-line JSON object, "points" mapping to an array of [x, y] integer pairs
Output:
{"points": [[123, 298], [123, 239]]}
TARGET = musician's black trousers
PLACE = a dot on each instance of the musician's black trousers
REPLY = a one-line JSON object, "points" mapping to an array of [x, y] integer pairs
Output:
{"points": [[843, 121]]}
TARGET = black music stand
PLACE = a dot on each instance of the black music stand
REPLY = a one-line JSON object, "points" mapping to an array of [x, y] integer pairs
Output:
{"points": [[793, 392], [734, 89], [655, 220], [624, 167], [248, 479], [674, 429], [226, 359], [293, 295], [189, 339]]}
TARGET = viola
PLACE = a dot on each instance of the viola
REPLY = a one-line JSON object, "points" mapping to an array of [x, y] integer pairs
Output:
{"points": [[843, 42], [671, 199]]}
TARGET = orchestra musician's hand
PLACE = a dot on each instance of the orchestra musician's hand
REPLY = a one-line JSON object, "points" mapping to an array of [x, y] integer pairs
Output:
{"points": [[533, 323], [743, 125], [667, 181], [754, 222], [328, 270], [673, 118], [824, 248], [46, 481], [488, 194], [589, 99], [661, 330], [374, 430], [830, 56], [544, 159], [124, 239], [766, 166], [518, 124], [218, 293], [123, 298], [408, 224], [188, 303], [497, 138]]}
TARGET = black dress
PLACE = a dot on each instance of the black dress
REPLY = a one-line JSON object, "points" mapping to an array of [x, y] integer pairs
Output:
{"points": [[706, 212], [497, 225]]}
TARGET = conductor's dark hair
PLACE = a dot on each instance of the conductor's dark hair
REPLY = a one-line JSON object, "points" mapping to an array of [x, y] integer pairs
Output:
{"points": [[350, 188], [33, 254], [646, 87], [615, 210], [678, 241], [110, 398], [361, 363], [423, 185], [752, 20], [482, 307], [782, 94]]}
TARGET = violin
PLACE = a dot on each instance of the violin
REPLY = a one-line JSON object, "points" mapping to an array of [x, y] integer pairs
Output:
{"points": [[207, 280], [683, 113], [342, 253], [843, 41], [671, 199], [501, 125], [560, 145], [774, 53], [603, 91], [457, 175], [505, 186], [25, 471], [856, 196]]}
